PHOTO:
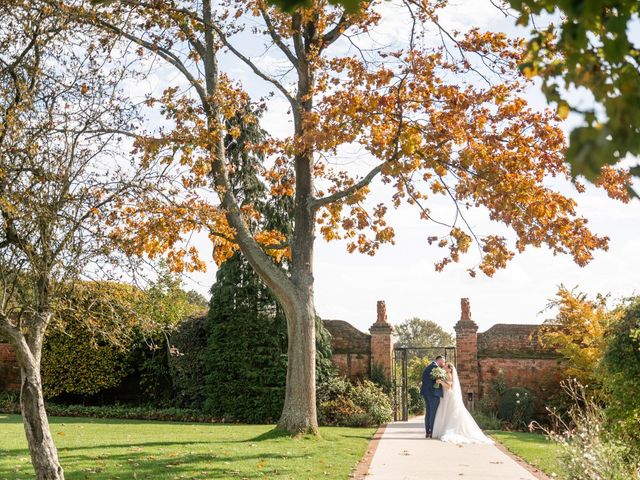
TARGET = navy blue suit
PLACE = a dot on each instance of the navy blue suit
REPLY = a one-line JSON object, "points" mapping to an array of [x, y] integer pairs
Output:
{"points": [[431, 396]]}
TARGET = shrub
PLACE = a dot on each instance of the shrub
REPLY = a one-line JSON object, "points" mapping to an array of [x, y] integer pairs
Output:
{"points": [[620, 373], [516, 406], [588, 452], [9, 402], [85, 350], [416, 401], [487, 421], [379, 377], [342, 403]]}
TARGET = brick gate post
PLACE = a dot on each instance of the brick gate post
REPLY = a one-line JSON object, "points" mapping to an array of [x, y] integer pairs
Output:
{"points": [[467, 354], [382, 342]]}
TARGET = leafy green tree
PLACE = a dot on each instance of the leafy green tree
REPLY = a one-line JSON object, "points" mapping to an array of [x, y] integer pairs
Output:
{"points": [[417, 332], [590, 47], [620, 375]]}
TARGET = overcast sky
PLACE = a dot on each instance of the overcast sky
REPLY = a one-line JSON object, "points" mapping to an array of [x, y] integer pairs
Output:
{"points": [[348, 285]]}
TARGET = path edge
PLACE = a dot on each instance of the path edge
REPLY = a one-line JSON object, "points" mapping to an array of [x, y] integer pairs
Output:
{"points": [[535, 471], [362, 468]]}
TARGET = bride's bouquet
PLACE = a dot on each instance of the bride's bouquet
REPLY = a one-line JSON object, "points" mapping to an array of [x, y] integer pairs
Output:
{"points": [[438, 373]]}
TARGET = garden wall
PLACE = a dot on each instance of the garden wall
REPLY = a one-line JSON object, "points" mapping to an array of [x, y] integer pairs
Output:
{"points": [[9, 371], [355, 352], [512, 349]]}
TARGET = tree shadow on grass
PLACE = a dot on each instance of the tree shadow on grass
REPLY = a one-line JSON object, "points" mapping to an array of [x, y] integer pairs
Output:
{"points": [[272, 434], [152, 465]]}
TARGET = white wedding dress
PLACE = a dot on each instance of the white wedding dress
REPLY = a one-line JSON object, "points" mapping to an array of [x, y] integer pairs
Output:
{"points": [[454, 423]]}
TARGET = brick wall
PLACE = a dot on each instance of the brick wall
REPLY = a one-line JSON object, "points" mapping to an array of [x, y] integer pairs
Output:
{"points": [[355, 352], [512, 349], [351, 349], [9, 371], [540, 375]]}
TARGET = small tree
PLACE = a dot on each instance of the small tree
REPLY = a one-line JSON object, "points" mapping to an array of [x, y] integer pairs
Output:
{"points": [[577, 333], [60, 178], [417, 332]]}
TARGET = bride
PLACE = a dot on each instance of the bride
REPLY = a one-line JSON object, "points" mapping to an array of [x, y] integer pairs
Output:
{"points": [[453, 423]]}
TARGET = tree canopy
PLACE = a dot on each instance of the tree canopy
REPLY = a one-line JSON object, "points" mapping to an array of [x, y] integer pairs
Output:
{"points": [[590, 47], [433, 120], [417, 332]]}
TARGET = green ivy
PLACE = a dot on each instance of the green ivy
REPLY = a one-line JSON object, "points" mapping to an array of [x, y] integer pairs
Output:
{"points": [[620, 373]]}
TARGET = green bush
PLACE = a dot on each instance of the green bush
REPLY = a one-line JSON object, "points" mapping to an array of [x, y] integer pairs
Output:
{"points": [[84, 350], [487, 421], [516, 406], [416, 401], [343, 403], [620, 373], [187, 363], [9, 402], [147, 412], [379, 377]]}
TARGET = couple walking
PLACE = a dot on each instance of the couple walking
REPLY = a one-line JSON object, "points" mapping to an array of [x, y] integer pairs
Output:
{"points": [[446, 417]]}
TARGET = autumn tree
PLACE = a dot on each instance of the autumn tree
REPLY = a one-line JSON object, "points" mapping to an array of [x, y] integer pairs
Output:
{"points": [[432, 117], [577, 332], [61, 176]]}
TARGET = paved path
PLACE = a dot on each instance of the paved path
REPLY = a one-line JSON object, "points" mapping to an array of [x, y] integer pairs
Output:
{"points": [[404, 454]]}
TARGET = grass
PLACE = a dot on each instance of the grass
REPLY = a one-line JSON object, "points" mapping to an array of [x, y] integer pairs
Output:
{"points": [[534, 448], [130, 449]]}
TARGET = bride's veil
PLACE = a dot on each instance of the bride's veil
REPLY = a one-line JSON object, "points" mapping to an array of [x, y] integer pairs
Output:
{"points": [[457, 389]]}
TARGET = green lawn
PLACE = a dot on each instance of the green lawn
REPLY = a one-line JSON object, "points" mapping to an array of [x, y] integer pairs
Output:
{"points": [[132, 449], [534, 448]]}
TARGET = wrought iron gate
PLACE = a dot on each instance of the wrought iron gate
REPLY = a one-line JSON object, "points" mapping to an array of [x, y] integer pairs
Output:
{"points": [[401, 356]]}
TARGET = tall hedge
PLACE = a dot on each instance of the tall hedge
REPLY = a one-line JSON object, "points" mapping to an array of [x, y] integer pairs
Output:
{"points": [[620, 371], [85, 349], [246, 355]]}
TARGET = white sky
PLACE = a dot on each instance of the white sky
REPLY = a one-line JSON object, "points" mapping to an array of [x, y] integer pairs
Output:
{"points": [[348, 285]]}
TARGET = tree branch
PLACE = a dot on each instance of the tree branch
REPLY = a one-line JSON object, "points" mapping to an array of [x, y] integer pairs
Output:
{"points": [[253, 66], [320, 202], [336, 32], [277, 38]]}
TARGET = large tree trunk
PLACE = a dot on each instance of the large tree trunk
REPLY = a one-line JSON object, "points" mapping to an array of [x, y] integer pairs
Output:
{"points": [[44, 455], [299, 411]]}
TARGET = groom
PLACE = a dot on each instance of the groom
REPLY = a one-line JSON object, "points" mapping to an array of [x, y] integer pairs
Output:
{"points": [[431, 394]]}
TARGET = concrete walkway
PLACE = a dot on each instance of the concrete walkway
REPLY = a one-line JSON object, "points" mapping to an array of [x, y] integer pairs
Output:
{"points": [[404, 454]]}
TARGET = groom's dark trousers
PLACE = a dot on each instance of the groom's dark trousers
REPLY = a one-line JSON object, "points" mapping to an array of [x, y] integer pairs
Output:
{"points": [[431, 407], [431, 396]]}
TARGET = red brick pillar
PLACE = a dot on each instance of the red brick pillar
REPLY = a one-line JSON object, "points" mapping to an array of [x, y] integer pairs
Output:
{"points": [[382, 342], [467, 354]]}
